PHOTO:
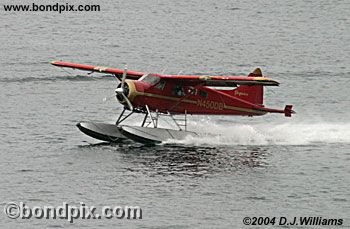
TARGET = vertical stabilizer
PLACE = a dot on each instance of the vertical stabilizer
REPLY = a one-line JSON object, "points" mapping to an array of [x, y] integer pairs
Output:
{"points": [[256, 73]]}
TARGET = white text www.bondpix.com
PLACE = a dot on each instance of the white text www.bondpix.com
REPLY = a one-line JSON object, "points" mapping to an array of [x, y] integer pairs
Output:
{"points": [[69, 212], [57, 7]]}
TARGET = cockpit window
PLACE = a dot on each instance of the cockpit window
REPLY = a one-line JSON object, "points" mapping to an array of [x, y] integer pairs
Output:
{"points": [[151, 79]]}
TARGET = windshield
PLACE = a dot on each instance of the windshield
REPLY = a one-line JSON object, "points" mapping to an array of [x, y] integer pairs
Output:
{"points": [[151, 79]]}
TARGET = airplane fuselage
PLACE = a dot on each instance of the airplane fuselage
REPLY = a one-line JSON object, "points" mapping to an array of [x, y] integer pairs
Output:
{"points": [[175, 98]]}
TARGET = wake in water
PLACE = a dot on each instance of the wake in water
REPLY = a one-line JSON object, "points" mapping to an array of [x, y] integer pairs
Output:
{"points": [[290, 133]]}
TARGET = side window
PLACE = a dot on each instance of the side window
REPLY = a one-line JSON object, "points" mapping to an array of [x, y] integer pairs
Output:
{"points": [[190, 91], [204, 94], [160, 85], [178, 91]]}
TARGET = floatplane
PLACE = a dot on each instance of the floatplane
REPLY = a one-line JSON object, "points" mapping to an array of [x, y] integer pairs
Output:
{"points": [[156, 95]]}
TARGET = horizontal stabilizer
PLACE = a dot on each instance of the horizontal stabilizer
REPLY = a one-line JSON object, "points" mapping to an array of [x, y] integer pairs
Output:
{"points": [[288, 111]]}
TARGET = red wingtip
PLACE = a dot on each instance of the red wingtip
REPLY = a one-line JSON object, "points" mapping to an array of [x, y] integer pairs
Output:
{"points": [[56, 62]]}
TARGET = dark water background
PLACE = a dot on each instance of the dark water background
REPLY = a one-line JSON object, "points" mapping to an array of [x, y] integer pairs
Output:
{"points": [[265, 166]]}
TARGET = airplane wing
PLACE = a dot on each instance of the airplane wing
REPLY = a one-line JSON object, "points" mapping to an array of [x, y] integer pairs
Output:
{"points": [[115, 71], [221, 81]]}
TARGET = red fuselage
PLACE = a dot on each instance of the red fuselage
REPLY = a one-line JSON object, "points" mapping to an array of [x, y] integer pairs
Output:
{"points": [[170, 96]]}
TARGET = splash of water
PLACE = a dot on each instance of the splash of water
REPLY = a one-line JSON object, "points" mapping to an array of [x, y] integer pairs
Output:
{"points": [[290, 133]]}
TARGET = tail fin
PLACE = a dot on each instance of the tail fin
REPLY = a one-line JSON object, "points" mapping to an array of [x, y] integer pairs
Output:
{"points": [[253, 94], [256, 73], [288, 111]]}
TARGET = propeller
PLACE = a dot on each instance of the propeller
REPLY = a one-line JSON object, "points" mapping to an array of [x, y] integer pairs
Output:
{"points": [[120, 90]]}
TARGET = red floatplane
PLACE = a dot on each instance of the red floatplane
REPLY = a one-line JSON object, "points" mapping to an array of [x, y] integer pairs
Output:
{"points": [[155, 95]]}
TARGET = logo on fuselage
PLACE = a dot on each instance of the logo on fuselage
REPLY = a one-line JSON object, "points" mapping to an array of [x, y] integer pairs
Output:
{"points": [[241, 93]]}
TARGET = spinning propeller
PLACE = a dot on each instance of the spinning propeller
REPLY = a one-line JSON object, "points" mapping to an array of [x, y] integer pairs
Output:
{"points": [[123, 90]]}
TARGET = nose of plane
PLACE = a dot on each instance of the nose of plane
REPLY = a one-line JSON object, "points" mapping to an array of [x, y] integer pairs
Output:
{"points": [[125, 94], [121, 93]]}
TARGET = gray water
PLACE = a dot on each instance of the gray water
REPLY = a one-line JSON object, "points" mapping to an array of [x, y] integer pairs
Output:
{"points": [[263, 166]]}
